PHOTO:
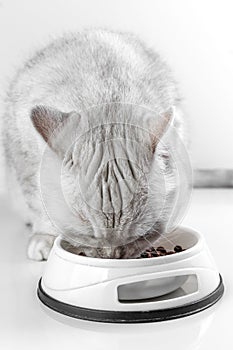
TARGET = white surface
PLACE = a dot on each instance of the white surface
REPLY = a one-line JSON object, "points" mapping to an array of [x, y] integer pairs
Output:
{"points": [[194, 36], [24, 324]]}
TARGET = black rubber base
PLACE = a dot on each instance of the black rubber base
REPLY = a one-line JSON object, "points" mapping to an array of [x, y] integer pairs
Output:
{"points": [[130, 316]]}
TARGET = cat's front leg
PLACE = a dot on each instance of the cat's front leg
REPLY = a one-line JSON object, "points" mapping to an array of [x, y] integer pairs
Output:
{"points": [[41, 241], [39, 246]]}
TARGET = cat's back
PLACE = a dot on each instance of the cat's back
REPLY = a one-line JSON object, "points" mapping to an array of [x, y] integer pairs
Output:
{"points": [[93, 67]]}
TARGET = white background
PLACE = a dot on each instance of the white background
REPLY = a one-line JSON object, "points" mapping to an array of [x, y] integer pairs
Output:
{"points": [[195, 37]]}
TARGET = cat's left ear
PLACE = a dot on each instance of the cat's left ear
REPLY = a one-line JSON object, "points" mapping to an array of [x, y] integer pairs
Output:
{"points": [[57, 128], [159, 127], [47, 121]]}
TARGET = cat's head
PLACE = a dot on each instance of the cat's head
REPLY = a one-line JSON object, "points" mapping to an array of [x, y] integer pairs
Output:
{"points": [[113, 175]]}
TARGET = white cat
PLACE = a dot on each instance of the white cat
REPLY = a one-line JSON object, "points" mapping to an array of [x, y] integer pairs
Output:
{"points": [[99, 102]]}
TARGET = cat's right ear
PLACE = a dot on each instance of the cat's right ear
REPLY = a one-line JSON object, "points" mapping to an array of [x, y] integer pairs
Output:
{"points": [[159, 127], [48, 121]]}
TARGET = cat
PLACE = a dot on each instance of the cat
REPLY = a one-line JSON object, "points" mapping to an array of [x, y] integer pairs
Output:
{"points": [[93, 106]]}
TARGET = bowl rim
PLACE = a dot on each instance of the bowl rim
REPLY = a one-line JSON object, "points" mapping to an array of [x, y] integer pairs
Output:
{"points": [[106, 262]]}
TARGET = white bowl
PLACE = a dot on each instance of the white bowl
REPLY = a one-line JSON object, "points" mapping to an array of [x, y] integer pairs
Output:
{"points": [[132, 284]]}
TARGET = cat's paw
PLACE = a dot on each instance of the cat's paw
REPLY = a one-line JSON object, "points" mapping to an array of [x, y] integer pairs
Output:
{"points": [[39, 246]]}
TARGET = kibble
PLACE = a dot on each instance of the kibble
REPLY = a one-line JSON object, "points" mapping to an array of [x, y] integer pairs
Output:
{"points": [[82, 254], [154, 254], [178, 248], [160, 251]]}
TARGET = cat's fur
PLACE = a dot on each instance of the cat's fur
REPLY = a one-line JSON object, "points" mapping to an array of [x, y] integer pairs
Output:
{"points": [[48, 103]]}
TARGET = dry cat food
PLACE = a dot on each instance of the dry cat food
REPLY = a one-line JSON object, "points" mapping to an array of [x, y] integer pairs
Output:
{"points": [[154, 252], [160, 251]]}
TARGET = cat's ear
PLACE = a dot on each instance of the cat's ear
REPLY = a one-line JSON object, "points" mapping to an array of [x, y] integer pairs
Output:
{"points": [[47, 121], [159, 127]]}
